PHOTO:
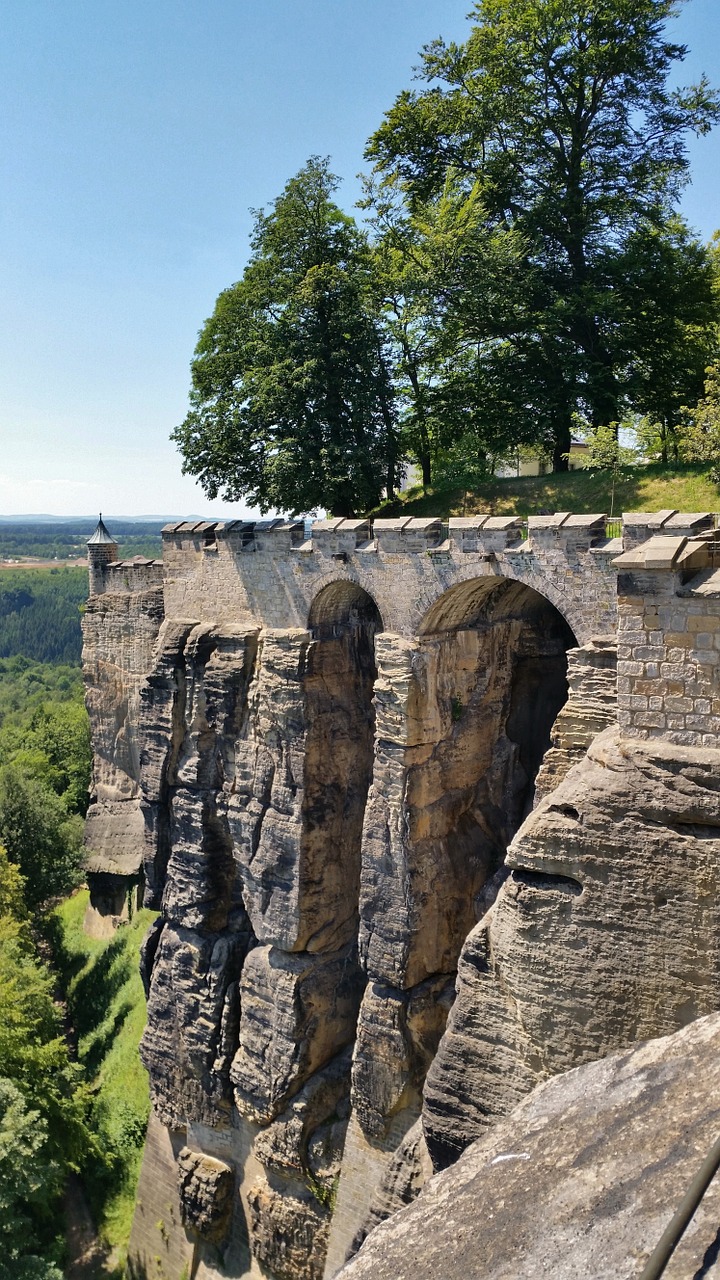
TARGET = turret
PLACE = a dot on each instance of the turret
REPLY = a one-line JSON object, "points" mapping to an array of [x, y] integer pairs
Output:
{"points": [[102, 550]]}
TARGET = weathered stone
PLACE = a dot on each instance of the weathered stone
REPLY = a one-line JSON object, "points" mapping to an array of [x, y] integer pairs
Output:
{"points": [[298, 1011], [397, 1039], [463, 719], [192, 1027], [578, 1183], [206, 1188], [309, 1133], [591, 707], [288, 1235], [593, 940], [302, 773], [404, 1179]]}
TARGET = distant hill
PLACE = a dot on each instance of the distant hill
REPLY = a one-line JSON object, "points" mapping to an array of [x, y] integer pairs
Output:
{"points": [[52, 539]]}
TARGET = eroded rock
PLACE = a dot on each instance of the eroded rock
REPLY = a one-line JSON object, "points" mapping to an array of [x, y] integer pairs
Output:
{"points": [[288, 1234], [578, 1183], [298, 1010], [592, 942], [205, 1187]]}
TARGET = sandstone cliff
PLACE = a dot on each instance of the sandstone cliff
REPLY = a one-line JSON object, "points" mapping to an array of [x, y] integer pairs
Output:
{"points": [[402, 877], [578, 1182]]}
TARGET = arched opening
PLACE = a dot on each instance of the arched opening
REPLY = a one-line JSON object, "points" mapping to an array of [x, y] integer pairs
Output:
{"points": [[339, 714], [496, 677]]}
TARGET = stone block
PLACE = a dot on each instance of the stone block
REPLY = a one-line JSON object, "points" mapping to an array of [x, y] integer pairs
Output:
{"points": [[298, 1012], [205, 1187]]}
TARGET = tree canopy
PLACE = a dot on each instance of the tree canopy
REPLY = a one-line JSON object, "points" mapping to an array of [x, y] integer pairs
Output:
{"points": [[42, 1103], [523, 268], [557, 114], [291, 405]]}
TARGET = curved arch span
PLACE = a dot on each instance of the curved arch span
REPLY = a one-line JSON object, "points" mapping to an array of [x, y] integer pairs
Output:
{"points": [[481, 602], [343, 605]]}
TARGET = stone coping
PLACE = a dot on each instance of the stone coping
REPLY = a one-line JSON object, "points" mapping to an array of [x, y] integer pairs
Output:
{"points": [[340, 535]]}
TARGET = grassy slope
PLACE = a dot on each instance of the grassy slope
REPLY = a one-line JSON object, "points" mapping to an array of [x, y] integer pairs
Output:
{"points": [[651, 488], [106, 1006]]}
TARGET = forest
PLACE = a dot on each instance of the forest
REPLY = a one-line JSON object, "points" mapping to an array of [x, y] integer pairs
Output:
{"points": [[73, 1095], [66, 539]]}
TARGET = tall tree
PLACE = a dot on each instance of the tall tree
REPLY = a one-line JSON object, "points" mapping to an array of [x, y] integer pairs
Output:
{"points": [[291, 403], [558, 112]]}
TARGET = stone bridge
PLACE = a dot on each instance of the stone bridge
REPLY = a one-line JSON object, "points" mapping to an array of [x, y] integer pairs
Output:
{"points": [[313, 748]]}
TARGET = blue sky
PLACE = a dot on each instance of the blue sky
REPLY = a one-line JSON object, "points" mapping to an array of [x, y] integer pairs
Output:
{"points": [[136, 137]]}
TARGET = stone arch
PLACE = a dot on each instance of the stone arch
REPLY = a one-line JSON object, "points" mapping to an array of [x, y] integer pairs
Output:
{"points": [[339, 715], [499, 653], [473, 600], [475, 696], [466, 709], [342, 602]]}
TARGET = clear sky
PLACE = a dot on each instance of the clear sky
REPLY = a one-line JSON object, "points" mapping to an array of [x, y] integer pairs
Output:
{"points": [[136, 137]]}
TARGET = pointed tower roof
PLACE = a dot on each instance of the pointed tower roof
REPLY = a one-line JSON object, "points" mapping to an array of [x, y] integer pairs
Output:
{"points": [[101, 536]]}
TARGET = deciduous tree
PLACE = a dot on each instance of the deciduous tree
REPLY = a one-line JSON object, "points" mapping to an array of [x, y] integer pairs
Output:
{"points": [[291, 403], [558, 113]]}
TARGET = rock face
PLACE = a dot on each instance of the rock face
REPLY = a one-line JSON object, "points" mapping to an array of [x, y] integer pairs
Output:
{"points": [[593, 940], [206, 1190], [578, 1183], [404, 870], [119, 632]]}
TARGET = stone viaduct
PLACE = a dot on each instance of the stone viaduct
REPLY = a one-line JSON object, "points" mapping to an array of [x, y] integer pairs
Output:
{"points": [[313, 748]]}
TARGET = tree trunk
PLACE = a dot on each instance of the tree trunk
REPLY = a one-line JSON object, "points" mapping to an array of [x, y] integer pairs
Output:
{"points": [[561, 445]]}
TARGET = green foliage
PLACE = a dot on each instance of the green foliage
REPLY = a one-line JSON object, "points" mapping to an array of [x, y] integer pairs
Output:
{"points": [[42, 1103], [687, 487], [45, 761], [27, 1180], [576, 284], [41, 838], [26, 685], [106, 1005], [291, 405], [51, 745], [700, 430], [605, 450], [40, 613]]}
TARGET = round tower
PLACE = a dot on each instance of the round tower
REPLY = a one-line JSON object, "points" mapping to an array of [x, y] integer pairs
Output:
{"points": [[102, 549]]}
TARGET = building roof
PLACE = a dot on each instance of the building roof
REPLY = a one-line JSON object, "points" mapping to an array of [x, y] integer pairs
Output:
{"points": [[101, 536]]}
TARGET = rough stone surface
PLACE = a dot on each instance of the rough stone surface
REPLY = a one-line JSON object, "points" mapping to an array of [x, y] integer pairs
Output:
{"points": [[298, 1010], [308, 1136], [397, 1039], [192, 1027], [408, 1172], [288, 1234], [591, 707], [604, 933], [578, 1183], [205, 1187], [463, 719]]}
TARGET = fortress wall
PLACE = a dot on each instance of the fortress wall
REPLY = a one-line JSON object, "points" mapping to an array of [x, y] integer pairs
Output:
{"points": [[669, 641]]}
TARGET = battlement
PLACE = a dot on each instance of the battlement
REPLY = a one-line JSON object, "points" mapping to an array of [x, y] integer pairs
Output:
{"points": [[127, 576], [407, 535]]}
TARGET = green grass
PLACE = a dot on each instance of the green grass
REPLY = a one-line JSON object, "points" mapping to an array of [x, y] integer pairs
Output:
{"points": [[650, 488], [106, 1008]]}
